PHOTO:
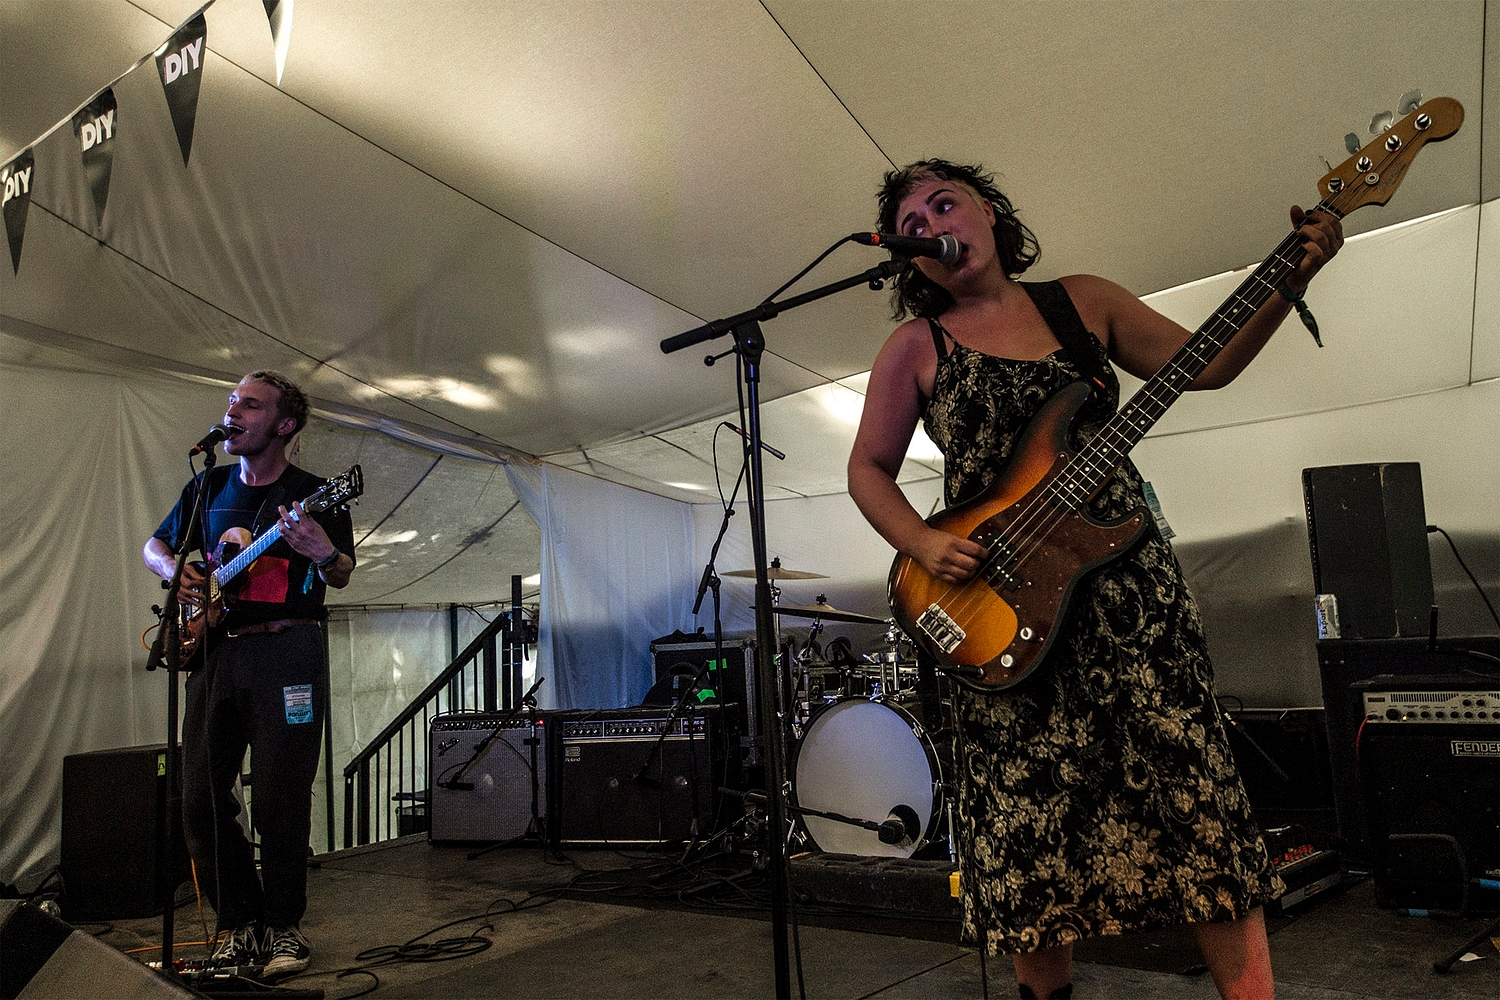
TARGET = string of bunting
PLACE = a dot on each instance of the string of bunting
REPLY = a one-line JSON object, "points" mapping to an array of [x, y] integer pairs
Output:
{"points": [[179, 66]]}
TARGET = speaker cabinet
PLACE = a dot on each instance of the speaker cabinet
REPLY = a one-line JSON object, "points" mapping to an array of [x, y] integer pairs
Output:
{"points": [[114, 811], [1342, 665], [1429, 770], [625, 776], [732, 682], [1282, 757], [1368, 530], [480, 791]]}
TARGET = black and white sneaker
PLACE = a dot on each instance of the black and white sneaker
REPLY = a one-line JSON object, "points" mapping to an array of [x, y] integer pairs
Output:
{"points": [[237, 947], [285, 951]]}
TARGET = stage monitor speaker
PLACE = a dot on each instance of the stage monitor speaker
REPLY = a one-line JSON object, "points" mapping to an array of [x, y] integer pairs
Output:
{"points": [[43, 958], [114, 808], [498, 806], [620, 781], [1429, 770], [1367, 528]]}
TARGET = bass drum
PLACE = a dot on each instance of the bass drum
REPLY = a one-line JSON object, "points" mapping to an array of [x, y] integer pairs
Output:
{"points": [[863, 759]]}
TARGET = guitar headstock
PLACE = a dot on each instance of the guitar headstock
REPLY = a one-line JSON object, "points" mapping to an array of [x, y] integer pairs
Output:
{"points": [[1371, 176], [337, 491]]}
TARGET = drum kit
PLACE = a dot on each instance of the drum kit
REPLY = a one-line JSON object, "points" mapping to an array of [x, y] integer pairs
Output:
{"points": [[866, 775]]}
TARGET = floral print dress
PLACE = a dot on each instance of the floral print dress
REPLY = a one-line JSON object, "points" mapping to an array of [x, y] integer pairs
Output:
{"points": [[1098, 796]]}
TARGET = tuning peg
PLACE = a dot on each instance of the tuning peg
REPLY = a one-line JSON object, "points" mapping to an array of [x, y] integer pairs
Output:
{"points": [[1409, 102], [1381, 122], [1351, 143]]}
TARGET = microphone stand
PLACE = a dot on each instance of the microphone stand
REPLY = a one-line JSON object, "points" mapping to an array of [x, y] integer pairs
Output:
{"points": [[167, 651], [750, 344]]}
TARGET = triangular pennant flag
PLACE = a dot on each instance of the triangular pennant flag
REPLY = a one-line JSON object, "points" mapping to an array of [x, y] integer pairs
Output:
{"points": [[279, 13], [15, 179], [180, 63], [94, 124]]}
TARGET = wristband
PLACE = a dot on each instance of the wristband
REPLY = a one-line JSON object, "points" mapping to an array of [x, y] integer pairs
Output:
{"points": [[328, 562], [1303, 313]]}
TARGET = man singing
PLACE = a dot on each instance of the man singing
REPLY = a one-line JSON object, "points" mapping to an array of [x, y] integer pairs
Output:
{"points": [[261, 687]]}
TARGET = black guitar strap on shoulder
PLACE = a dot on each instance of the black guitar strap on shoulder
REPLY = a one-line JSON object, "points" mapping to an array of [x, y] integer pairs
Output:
{"points": [[1057, 309]]}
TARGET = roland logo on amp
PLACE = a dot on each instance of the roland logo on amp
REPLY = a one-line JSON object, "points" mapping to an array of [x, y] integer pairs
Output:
{"points": [[1474, 748]]}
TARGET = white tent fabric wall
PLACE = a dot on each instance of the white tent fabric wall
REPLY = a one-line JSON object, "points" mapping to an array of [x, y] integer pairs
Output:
{"points": [[617, 571], [81, 480]]}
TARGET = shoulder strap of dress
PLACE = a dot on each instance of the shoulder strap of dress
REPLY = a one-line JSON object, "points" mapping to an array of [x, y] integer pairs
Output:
{"points": [[1052, 301], [939, 337]]}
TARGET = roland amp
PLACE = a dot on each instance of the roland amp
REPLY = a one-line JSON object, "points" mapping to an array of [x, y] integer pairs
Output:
{"points": [[1429, 770], [479, 777], [635, 776]]}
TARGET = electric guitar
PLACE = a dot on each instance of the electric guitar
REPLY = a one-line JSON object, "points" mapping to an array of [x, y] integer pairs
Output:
{"points": [[236, 553], [994, 630]]}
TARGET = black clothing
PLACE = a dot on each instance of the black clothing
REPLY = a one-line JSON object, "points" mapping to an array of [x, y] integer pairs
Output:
{"points": [[1099, 796], [265, 692], [282, 583]]}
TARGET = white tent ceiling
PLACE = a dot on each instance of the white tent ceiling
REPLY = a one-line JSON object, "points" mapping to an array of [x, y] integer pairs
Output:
{"points": [[476, 219]]}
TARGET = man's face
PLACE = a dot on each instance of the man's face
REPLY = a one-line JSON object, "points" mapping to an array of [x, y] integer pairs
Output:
{"points": [[254, 414]]}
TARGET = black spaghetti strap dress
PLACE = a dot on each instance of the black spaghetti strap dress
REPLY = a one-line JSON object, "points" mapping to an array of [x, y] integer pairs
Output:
{"points": [[1099, 796]]}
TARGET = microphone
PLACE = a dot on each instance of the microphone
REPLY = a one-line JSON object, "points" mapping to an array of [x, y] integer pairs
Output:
{"points": [[216, 433], [945, 249], [901, 828], [742, 434]]}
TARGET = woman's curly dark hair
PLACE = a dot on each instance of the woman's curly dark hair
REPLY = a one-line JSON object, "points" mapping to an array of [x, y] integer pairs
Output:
{"points": [[912, 293]]}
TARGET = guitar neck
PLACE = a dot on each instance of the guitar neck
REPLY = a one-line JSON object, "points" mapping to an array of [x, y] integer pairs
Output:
{"points": [[247, 555], [1097, 460]]}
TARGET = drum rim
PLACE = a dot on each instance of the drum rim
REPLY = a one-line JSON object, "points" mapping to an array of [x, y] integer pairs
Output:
{"points": [[924, 739]]}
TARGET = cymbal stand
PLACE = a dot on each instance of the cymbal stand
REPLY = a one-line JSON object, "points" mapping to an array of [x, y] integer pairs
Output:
{"points": [[749, 345]]}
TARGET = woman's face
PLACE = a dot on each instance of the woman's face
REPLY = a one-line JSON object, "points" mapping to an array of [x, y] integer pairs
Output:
{"points": [[940, 207]]}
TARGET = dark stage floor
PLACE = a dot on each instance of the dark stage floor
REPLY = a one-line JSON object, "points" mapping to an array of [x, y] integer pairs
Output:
{"points": [[602, 924]]}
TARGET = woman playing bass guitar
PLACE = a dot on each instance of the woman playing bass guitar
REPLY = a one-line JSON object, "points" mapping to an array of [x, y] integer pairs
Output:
{"points": [[1098, 796]]}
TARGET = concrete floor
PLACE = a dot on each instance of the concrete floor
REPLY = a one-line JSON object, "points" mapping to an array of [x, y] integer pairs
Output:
{"points": [[605, 939]]}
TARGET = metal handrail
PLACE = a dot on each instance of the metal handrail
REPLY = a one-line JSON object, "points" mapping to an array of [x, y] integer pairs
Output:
{"points": [[394, 751]]}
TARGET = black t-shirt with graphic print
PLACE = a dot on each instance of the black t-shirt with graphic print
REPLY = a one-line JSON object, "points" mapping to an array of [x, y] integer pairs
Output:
{"points": [[281, 583]]}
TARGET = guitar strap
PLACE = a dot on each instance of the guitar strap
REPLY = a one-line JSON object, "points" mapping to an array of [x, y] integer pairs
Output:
{"points": [[1057, 309]]}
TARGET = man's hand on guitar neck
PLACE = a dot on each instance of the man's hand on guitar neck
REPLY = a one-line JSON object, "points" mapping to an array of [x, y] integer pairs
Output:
{"points": [[307, 537]]}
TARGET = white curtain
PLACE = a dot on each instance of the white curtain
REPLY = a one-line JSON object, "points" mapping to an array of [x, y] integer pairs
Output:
{"points": [[617, 571], [84, 486]]}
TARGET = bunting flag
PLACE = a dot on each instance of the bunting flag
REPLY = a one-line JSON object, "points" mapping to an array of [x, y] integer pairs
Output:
{"points": [[279, 13], [15, 178], [94, 124], [180, 63]]}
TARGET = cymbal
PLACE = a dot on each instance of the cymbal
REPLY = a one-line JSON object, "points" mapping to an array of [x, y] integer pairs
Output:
{"points": [[825, 611], [775, 571]]}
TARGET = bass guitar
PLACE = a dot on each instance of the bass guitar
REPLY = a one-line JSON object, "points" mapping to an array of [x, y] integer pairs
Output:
{"points": [[995, 629], [237, 552]]}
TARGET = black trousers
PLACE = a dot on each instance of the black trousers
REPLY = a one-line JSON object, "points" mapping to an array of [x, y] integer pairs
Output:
{"points": [[264, 692]]}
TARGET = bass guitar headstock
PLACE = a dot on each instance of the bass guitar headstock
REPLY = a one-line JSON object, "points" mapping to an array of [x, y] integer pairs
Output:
{"points": [[1371, 176]]}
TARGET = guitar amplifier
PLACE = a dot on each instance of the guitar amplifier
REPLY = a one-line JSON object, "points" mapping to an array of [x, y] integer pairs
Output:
{"points": [[627, 776], [1429, 770], [488, 800]]}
